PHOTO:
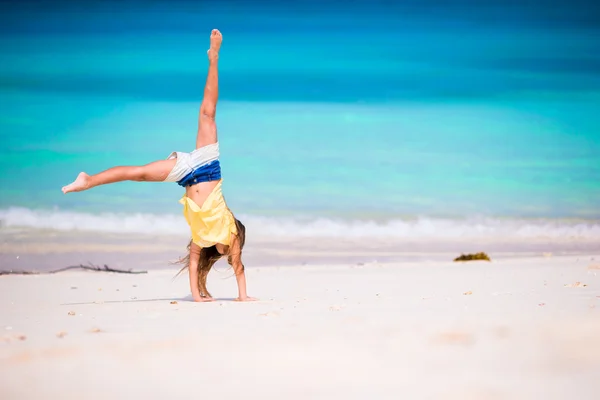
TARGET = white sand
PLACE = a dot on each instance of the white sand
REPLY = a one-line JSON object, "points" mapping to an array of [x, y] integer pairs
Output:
{"points": [[393, 331]]}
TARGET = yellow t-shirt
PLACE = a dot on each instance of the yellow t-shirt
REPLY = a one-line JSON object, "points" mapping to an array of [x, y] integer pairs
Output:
{"points": [[213, 222]]}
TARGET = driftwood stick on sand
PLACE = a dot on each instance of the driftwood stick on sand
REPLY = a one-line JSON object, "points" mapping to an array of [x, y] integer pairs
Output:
{"points": [[89, 267]]}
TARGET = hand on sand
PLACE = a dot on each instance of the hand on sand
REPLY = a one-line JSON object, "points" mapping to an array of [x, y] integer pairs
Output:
{"points": [[201, 299], [215, 44], [247, 298], [79, 184]]}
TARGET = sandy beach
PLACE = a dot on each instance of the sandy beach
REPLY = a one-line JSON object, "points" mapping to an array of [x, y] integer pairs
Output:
{"points": [[523, 327]]}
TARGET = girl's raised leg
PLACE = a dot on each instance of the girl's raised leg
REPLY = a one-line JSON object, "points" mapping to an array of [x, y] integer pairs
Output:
{"points": [[154, 172], [207, 128]]}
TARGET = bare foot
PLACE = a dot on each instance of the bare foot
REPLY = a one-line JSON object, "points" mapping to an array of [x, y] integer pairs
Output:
{"points": [[215, 44], [81, 183]]}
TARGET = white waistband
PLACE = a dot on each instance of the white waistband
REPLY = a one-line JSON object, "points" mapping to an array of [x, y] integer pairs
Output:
{"points": [[187, 162]]}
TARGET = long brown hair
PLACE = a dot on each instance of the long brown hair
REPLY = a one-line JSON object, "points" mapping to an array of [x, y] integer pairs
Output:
{"points": [[209, 256]]}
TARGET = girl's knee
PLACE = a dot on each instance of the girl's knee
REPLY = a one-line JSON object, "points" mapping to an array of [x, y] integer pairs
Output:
{"points": [[139, 174], [208, 110]]}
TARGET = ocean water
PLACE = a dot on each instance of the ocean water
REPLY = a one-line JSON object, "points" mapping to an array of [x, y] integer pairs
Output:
{"points": [[412, 120]]}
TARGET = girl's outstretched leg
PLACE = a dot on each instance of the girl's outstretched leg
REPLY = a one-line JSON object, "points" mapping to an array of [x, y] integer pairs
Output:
{"points": [[207, 128], [153, 172]]}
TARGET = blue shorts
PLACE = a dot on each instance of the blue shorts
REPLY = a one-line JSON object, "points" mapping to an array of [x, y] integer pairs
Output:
{"points": [[205, 173]]}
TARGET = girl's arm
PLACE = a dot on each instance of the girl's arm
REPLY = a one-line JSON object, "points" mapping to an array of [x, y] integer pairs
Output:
{"points": [[194, 259], [240, 276]]}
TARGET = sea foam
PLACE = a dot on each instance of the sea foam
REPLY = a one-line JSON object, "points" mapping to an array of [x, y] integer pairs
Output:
{"points": [[417, 228]]}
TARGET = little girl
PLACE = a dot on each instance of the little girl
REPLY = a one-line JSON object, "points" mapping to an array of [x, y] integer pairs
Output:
{"points": [[215, 231]]}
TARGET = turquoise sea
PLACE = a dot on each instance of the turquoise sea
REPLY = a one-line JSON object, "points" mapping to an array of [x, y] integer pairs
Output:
{"points": [[401, 120]]}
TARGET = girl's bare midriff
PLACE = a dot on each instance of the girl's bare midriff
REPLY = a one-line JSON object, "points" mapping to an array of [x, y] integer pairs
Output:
{"points": [[200, 191]]}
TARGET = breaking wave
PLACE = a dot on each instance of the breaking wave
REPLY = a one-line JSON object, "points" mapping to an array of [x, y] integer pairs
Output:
{"points": [[416, 228]]}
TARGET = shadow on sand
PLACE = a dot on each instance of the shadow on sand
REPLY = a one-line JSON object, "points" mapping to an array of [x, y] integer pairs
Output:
{"points": [[187, 299]]}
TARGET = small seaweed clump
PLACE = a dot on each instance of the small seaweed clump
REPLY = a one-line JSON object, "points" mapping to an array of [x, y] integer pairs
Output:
{"points": [[470, 257]]}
